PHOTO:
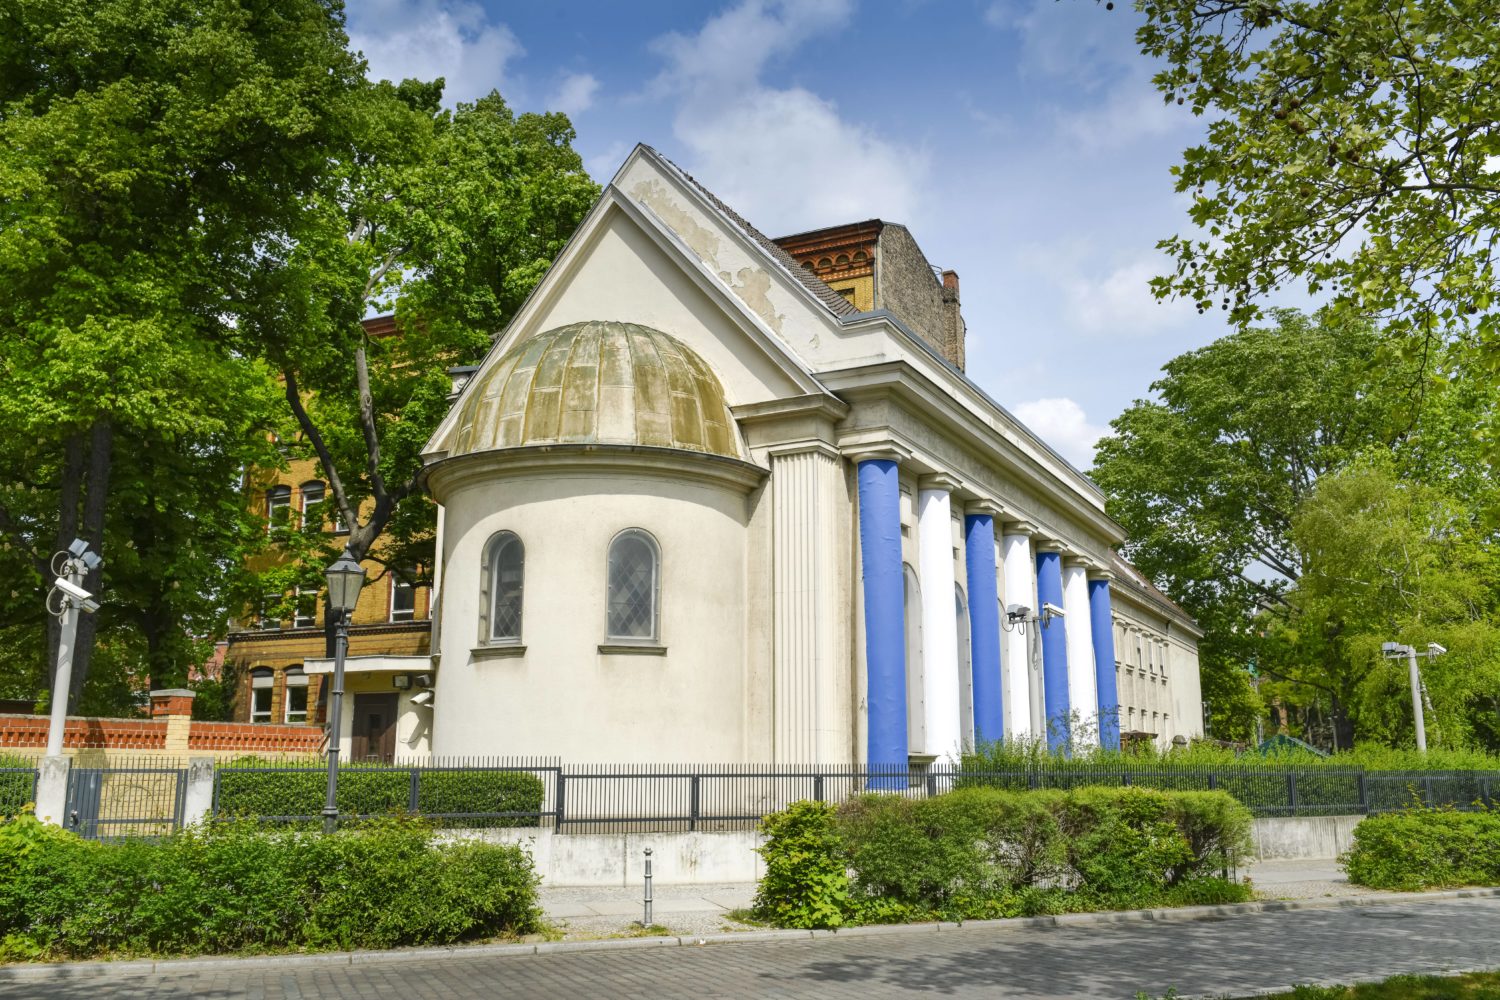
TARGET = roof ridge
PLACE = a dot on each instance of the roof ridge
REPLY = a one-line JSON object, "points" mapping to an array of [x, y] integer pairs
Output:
{"points": [[836, 303]]}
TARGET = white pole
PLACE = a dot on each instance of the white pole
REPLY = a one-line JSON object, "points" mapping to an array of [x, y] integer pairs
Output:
{"points": [[63, 680], [1416, 699]]}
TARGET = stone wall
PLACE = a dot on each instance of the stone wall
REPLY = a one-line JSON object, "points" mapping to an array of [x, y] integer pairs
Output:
{"points": [[905, 285]]}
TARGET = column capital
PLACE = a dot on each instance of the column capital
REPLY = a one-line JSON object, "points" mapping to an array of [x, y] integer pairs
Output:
{"points": [[1073, 559], [1046, 543], [1019, 528], [985, 507], [802, 448], [939, 481], [886, 451], [1097, 572]]}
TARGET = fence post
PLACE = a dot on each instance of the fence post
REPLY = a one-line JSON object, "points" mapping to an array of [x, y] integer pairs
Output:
{"points": [[52, 789], [931, 784], [1484, 793], [1125, 779], [198, 791], [1291, 793], [1213, 780], [818, 788], [412, 791], [1364, 794], [693, 806], [1427, 791], [560, 799]]}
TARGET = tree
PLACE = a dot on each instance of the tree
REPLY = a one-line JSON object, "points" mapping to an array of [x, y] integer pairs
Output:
{"points": [[449, 219], [1207, 481], [1351, 149], [1393, 560], [148, 149]]}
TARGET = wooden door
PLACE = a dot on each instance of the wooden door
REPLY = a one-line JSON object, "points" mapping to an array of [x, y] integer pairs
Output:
{"points": [[374, 735]]}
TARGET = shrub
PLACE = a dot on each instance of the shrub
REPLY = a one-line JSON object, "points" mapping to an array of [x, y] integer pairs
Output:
{"points": [[1425, 849], [987, 852], [805, 883], [238, 886], [255, 789]]}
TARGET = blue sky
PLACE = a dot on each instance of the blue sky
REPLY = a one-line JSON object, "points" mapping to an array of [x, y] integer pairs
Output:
{"points": [[1020, 140]]}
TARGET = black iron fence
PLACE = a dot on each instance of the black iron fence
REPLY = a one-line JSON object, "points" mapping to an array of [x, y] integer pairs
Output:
{"points": [[146, 797]]}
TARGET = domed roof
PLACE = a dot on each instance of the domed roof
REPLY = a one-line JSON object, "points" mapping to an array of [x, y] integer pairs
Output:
{"points": [[597, 383]]}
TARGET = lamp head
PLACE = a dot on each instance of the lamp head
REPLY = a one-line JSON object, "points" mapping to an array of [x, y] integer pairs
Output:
{"points": [[346, 577], [1391, 649]]}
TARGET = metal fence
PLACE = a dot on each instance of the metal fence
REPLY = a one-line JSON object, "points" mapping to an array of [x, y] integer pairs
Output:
{"points": [[145, 797]]}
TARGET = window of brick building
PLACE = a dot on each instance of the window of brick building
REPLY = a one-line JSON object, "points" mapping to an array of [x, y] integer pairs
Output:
{"points": [[296, 695], [262, 681], [403, 596], [278, 507]]}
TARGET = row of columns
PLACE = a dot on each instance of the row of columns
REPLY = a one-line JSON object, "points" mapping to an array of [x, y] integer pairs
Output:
{"points": [[1035, 695]]}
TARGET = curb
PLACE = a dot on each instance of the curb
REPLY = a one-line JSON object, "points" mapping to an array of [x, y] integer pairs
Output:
{"points": [[133, 968]]}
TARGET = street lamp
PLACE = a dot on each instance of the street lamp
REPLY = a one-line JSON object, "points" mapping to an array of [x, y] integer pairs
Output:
{"points": [[345, 579], [1394, 651], [66, 598]]}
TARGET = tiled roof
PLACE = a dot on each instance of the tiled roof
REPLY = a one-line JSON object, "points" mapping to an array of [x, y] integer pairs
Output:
{"points": [[1129, 574], [836, 303]]}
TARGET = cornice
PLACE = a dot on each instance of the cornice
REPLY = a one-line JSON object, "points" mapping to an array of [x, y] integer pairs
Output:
{"points": [[449, 474]]}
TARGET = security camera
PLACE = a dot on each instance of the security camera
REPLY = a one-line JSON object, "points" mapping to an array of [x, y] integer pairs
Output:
{"points": [[1436, 649], [78, 548], [423, 680], [83, 597], [1052, 609], [422, 698], [1015, 612], [1390, 648]]}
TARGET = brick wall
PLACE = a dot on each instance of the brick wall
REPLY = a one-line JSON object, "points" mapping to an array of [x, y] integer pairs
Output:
{"points": [[905, 284], [29, 732]]}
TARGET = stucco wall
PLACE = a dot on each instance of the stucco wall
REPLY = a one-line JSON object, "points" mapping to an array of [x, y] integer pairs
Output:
{"points": [[562, 695]]}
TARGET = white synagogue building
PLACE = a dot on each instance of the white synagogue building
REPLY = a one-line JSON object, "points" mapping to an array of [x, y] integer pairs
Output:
{"points": [[717, 498]]}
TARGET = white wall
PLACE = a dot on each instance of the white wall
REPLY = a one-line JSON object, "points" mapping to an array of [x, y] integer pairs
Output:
{"points": [[563, 696]]}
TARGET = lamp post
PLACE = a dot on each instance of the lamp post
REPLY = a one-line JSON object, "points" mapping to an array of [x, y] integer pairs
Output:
{"points": [[69, 597], [345, 579], [1395, 650]]}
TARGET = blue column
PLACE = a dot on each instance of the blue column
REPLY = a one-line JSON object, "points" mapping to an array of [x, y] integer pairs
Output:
{"points": [[885, 625], [984, 627], [1103, 625], [1054, 649]]}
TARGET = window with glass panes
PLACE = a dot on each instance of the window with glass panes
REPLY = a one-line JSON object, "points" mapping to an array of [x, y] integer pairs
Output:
{"points": [[262, 685], [403, 596], [296, 695]]}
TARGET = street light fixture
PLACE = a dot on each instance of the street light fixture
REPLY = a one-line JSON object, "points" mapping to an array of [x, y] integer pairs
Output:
{"points": [[1394, 651], [346, 577], [65, 600]]}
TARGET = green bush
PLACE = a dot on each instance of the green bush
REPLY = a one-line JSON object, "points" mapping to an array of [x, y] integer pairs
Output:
{"points": [[255, 789], [241, 887], [986, 852], [1425, 849]]}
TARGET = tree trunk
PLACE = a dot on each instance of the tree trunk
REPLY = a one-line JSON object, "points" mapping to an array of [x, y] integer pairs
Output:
{"points": [[70, 488], [101, 455], [1343, 726]]}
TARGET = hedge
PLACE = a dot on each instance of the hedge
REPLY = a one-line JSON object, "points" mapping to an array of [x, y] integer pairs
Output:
{"points": [[984, 852], [1425, 849], [253, 791], [240, 887]]}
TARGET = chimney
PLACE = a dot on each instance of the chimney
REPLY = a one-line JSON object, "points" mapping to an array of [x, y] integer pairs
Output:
{"points": [[953, 321]]}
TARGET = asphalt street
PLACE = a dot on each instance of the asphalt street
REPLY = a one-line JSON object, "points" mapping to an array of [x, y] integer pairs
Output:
{"points": [[1230, 956]]}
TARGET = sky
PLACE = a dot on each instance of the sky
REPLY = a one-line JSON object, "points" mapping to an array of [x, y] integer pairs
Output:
{"points": [[1020, 141]]}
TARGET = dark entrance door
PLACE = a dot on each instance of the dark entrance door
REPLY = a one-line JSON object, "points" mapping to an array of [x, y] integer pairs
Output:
{"points": [[374, 736]]}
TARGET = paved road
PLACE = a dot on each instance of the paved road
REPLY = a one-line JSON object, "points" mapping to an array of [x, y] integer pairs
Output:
{"points": [[1232, 956]]}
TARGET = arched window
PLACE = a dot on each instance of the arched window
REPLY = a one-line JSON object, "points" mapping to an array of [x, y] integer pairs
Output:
{"points": [[296, 695], [262, 680], [916, 688], [313, 493], [634, 587], [278, 507], [503, 581]]}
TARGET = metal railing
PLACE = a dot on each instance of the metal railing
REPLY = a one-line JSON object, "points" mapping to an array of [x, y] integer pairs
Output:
{"points": [[126, 798], [17, 788]]}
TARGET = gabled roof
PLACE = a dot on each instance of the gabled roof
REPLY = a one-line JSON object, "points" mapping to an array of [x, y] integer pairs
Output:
{"points": [[1137, 581], [835, 302]]}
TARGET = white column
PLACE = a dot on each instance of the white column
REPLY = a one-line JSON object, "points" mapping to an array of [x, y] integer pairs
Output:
{"points": [[1020, 588], [1083, 695], [806, 696], [940, 667]]}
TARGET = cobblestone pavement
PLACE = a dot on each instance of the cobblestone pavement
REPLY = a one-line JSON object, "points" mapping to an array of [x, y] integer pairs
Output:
{"points": [[1231, 956]]}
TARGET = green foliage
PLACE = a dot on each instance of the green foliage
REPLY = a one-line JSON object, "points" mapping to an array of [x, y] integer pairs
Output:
{"points": [[239, 887], [978, 853], [1318, 165], [805, 883], [247, 788], [16, 783], [1425, 849]]}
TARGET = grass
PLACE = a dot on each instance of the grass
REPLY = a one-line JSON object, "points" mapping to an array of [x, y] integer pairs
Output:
{"points": [[1470, 986]]}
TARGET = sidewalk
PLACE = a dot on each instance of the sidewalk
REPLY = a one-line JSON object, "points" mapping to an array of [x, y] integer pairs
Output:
{"points": [[697, 910]]}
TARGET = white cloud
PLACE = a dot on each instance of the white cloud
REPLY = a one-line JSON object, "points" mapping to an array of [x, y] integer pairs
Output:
{"points": [[574, 95], [1061, 423], [427, 39], [1121, 302], [784, 157]]}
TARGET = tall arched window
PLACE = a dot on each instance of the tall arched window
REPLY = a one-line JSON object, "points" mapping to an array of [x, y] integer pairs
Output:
{"points": [[262, 683], [634, 587], [503, 581], [916, 687]]}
